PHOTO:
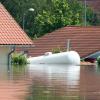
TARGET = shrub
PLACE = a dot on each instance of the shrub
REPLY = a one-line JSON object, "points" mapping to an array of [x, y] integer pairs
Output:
{"points": [[98, 60], [82, 59], [56, 50], [19, 59]]}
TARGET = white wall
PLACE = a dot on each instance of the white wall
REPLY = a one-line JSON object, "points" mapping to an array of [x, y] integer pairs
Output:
{"points": [[4, 54]]}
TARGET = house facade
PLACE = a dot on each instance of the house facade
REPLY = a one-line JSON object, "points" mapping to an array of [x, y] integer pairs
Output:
{"points": [[11, 36]]}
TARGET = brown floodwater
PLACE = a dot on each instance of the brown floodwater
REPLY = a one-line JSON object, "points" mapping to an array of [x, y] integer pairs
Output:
{"points": [[49, 82]]}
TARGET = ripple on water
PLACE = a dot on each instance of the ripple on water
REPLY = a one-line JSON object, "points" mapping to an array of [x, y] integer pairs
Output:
{"points": [[49, 82]]}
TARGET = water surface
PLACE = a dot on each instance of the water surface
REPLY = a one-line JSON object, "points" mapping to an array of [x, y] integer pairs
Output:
{"points": [[49, 82]]}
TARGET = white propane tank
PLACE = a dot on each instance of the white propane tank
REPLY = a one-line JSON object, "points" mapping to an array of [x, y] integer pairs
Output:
{"points": [[69, 57]]}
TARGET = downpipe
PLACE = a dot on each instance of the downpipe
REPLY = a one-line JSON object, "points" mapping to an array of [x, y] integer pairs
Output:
{"points": [[9, 55]]}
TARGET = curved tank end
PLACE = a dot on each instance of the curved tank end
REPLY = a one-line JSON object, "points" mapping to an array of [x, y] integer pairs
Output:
{"points": [[74, 58]]}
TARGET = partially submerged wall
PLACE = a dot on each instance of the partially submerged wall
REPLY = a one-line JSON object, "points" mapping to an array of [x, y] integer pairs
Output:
{"points": [[4, 54]]}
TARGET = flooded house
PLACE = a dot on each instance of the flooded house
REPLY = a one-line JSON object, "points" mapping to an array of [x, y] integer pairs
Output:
{"points": [[11, 36], [84, 40]]}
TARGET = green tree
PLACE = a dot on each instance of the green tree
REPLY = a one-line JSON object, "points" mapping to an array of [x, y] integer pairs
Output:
{"points": [[62, 13], [49, 20], [77, 11], [92, 18], [49, 15], [18, 7]]}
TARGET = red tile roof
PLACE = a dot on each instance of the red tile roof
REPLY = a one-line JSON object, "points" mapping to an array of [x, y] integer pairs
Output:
{"points": [[85, 40], [10, 31]]}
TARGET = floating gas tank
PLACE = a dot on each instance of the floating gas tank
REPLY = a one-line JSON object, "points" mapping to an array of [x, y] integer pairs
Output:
{"points": [[69, 57]]}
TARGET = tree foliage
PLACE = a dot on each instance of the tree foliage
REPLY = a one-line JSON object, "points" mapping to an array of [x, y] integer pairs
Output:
{"points": [[60, 15], [49, 14]]}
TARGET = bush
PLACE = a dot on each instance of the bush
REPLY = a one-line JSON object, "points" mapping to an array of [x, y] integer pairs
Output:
{"points": [[98, 60], [82, 59], [19, 59], [56, 50]]}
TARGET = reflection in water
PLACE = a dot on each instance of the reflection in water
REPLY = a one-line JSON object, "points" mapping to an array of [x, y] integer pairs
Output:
{"points": [[49, 82], [54, 82], [13, 85], [68, 74]]}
